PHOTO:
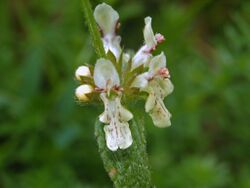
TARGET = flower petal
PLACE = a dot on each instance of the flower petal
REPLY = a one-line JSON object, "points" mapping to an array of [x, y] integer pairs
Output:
{"points": [[111, 137], [107, 18], [105, 74], [157, 63], [166, 86], [160, 115], [118, 136], [148, 33], [142, 57], [104, 117], [141, 81], [125, 137], [150, 103], [125, 115], [112, 43]]}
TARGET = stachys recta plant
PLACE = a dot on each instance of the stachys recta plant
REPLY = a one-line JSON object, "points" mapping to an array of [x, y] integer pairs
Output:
{"points": [[116, 78]]}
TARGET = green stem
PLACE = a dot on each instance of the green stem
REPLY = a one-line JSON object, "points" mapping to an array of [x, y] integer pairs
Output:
{"points": [[126, 168], [93, 29]]}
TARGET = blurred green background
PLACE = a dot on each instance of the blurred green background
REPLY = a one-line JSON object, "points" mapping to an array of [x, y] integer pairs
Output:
{"points": [[47, 138]]}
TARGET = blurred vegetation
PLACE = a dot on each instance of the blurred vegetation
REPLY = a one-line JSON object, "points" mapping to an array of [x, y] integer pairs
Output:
{"points": [[47, 139]]}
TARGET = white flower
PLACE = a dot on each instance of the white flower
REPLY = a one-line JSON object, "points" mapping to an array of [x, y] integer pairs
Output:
{"points": [[107, 19], [117, 132], [82, 91], [157, 84], [82, 71], [157, 90], [143, 56]]}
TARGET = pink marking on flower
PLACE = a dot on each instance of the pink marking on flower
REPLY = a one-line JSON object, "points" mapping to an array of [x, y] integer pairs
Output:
{"points": [[164, 72], [118, 88], [150, 50], [115, 88], [97, 89], [159, 38]]}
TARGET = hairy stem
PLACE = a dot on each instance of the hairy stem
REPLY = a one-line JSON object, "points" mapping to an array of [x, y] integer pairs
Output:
{"points": [[93, 29]]}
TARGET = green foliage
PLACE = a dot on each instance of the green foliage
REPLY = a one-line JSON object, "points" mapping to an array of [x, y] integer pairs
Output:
{"points": [[47, 139]]}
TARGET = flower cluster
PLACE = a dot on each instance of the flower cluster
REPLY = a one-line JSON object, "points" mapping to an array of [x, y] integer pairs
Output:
{"points": [[120, 74]]}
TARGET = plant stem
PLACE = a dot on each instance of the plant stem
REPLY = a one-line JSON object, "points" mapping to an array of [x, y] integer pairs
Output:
{"points": [[93, 29]]}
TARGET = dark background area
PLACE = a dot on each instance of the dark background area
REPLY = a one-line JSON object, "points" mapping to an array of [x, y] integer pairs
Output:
{"points": [[47, 138]]}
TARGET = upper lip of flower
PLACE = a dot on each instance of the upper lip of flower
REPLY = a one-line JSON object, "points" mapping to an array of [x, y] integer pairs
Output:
{"points": [[106, 18], [106, 76]]}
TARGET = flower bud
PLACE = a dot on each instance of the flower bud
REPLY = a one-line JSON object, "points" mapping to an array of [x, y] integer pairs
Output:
{"points": [[82, 91], [82, 71]]}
